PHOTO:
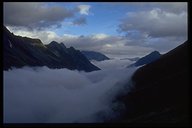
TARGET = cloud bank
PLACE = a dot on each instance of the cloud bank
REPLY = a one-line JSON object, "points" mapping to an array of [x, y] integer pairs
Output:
{"points": [[112, 63], [157, 25], [39, 15], [43, 95], [155, 22], [141, 29]]}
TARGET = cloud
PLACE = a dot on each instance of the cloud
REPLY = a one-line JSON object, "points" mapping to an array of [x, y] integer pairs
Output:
{"points": [[155, 23], [84, 9], [35, 15], [172, 7], [107, 44], [43, 95], [112, 63], [149, 26], [44, 35], [113, 46], [100, 36], [80, 21], [165, 44], [161, 26]]}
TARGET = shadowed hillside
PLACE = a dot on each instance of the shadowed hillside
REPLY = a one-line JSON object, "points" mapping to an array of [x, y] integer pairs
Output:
{"points": [[92, 55], [23, 51], [161, 93]]}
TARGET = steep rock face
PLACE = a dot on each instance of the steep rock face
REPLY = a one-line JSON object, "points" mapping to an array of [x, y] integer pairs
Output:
{"points": [[161, 93], [80, 60], [19, 51], [61, 52], [92, 55], [22, 51], [147, 59]]}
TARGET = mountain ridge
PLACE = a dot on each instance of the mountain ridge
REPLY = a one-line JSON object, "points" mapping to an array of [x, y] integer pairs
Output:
{"points": [[23, 51], [146, 59], [92, 55]]}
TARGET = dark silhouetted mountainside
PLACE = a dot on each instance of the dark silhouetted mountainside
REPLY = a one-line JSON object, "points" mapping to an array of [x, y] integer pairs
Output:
{"points": [[147, 59], [22, 51], [161, 92], [92, 55]]}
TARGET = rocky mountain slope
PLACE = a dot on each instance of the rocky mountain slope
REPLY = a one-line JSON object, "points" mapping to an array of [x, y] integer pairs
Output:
{"points": [[92, 55], [23, 51], [147, 59]]}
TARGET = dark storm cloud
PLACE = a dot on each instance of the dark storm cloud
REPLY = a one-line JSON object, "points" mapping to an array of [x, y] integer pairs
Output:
{"points": [[35, 15]]}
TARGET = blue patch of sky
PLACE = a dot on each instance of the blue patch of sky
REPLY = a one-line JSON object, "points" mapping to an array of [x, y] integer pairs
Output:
{"points": [[103, 18]]}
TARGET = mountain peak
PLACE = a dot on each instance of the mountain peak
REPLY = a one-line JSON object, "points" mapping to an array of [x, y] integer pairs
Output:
{"points": [[5, 30], [162, 85], [147, 59], [92, 55], [54, 43], [72, 48], [62, 45], [23, 51], [155, 52]]}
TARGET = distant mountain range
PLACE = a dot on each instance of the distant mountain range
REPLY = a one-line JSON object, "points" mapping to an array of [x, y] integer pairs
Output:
{"points": [[92, 55], [23, 51], [161, 95], [147, 59]]}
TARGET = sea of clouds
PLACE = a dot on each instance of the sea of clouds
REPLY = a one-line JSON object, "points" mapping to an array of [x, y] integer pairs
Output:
{"points": [[43, 95]]}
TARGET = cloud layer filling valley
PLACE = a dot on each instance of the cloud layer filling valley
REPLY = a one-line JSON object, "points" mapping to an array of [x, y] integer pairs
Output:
{"points": [[44, 95]]}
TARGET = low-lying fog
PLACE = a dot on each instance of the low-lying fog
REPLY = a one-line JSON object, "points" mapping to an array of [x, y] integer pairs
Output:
{"points": [[43, 95]]}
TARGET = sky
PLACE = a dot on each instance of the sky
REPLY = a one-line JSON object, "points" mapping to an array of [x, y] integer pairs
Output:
{"points": [[117, 29]]}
